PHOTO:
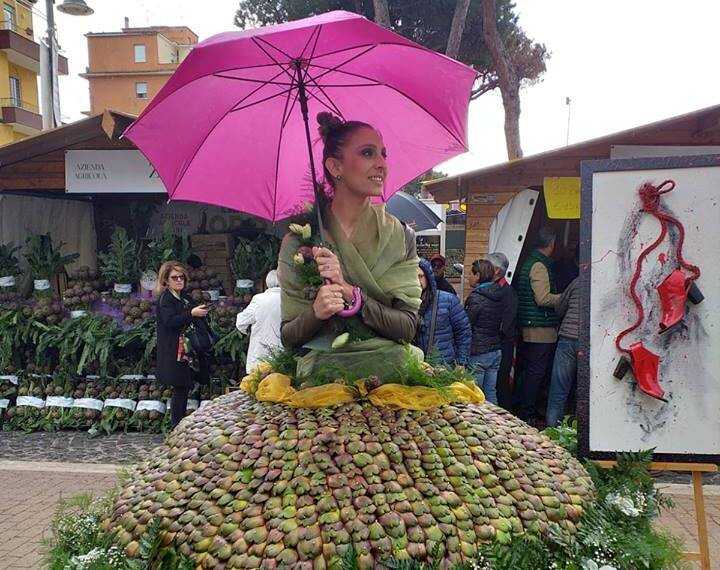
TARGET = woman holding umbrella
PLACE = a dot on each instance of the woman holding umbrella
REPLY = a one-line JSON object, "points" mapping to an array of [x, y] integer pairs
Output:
{"points": [[374, 265]]}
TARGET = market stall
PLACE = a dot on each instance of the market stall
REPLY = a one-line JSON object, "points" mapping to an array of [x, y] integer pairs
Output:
{"points": [[84, 226]]}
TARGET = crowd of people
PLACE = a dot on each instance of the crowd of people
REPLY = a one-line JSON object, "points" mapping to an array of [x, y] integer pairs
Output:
{"points": [[512, 338], [530, 327]]}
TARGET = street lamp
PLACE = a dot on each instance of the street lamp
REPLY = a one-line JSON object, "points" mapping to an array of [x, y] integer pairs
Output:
{"points": [[75, 8], [49, 75]]}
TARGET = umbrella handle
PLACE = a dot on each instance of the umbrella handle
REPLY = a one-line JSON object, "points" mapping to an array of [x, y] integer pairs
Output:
{"points": [[353, 309]]}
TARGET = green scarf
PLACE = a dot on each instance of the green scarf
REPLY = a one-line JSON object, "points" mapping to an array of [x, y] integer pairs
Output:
{"points": [[373, 258]]}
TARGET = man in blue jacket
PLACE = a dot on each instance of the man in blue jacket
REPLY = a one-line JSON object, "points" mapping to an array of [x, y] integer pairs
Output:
{"points": [[450, 335]]}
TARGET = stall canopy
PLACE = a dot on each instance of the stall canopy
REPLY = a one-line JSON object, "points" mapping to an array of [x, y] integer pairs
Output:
{"points": [[698, 128], [487, 190], [32, 184]]}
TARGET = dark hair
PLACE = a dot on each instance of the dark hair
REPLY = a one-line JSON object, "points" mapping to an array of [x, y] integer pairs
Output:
{"points": [[484, 270], [545, 236], [335, 132]]}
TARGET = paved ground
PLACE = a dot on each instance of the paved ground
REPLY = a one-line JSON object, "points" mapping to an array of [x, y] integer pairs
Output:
{"points": [[37, 470], [28, 498], [73, 446]]}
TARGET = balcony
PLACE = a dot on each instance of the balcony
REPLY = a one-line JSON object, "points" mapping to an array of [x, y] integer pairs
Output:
{"points": [[23, 51], [23, 116]]}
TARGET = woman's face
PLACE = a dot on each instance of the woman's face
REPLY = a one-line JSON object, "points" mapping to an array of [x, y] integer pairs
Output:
{"points": [[176, 280], [363, 166], [422, 279]]}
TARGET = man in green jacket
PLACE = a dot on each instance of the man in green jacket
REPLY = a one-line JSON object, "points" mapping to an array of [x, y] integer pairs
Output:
{"points": [[537, 297]]}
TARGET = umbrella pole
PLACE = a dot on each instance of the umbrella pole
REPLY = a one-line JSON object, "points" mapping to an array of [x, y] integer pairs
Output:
{"points": [[302, 97]]}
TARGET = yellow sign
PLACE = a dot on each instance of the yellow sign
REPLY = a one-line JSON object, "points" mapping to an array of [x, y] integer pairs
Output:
{"points": [[562, 197]]}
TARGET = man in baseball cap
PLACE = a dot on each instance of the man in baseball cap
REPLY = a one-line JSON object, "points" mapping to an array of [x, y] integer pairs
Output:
{"points": [[438, 264], [508, 330]]}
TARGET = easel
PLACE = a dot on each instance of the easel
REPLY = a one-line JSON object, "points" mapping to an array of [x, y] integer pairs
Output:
{"points": [[697, 470]]}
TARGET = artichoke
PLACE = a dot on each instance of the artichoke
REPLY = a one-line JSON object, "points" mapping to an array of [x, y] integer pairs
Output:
{"points": [[246, 484]]}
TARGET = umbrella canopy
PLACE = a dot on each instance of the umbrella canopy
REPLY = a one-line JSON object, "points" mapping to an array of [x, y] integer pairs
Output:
{"points": [[412, 211], [228, 127]]}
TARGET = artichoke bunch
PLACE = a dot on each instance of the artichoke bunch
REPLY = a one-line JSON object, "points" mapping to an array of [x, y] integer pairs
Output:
{"points": [[84, 287], [202, 279], [246, 484], [224, 315], [136, 311], [86, 389], [27, 417], [10, 299], [47, 310], [115, 418], [60, 386], [151, 418], [8, 392]]}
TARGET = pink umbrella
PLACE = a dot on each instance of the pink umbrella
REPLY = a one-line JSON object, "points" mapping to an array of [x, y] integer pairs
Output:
{"points": [[230, 127]]}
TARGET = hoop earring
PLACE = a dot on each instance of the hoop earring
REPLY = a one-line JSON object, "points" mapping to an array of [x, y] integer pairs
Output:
{"points": [[338, 178]]}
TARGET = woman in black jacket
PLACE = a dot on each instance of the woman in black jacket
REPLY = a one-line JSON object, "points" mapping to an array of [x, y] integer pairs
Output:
{"points": [[486, 307], [175, 312]]}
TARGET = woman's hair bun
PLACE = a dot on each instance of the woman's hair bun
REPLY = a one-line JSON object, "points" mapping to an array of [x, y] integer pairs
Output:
{"points": [[327, 123]]}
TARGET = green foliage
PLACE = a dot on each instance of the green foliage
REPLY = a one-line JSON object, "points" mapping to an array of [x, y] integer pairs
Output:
{"points": [[252, 259], [79, 543], [90, 338], [233, 345], [120, 263], [565, 434], [45, 260], [415, 186], [427, 22], [8, 260], [282, 360], [167, 246]]}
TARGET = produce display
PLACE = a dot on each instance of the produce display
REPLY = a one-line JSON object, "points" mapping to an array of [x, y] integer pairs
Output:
{"points": [[9, 270], [45, 309], [83, 289], [136, 311], [245, 483], [120, 264], [45, 261], [102, 405], [200, 281]]}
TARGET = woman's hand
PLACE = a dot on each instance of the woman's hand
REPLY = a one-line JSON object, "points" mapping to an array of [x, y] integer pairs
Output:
{"points": [[329, 301], [199, 311], [329, 268]]}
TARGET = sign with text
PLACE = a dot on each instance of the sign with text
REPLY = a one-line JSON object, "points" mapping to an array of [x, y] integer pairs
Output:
{"points": [[109, 172], [562, 197]]}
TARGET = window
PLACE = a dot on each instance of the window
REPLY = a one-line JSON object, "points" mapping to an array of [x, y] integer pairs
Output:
{"points": [[9, 19], [15, 91], [141, 91], [140, 56]]}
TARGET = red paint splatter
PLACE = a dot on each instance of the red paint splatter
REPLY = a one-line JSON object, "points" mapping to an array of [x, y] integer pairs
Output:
{"points": [[662, 258]]}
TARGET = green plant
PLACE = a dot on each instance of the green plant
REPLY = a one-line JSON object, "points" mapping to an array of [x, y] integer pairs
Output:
{"points": [[45, 260], [565, 434], [252, 259], [119, 264], [242, 259], [9, 264], [165, 247]]}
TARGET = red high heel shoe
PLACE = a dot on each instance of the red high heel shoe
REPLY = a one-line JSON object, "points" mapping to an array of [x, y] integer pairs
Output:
{"points": [[675, 291], [645, 365]]}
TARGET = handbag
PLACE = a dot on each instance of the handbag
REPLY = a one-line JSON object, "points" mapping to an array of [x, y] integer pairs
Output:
{"points": [[200, 337]]}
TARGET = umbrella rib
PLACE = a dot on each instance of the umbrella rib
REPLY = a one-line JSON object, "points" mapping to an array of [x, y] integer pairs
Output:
{"points": [[282, 66], [248, 80], [207, 135], [317, 37], [408, 97], [330, 105], [263, 100], [279, 147]]}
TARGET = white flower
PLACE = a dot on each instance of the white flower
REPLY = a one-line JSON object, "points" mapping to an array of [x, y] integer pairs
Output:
{"points": [[624, 504], [302, 231]]}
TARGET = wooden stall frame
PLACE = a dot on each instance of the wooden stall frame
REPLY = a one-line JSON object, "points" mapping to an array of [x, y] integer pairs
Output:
{"points": [[697, 470]]}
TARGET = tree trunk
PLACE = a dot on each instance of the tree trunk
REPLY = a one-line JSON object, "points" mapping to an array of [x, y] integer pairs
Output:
{"points": [[382, 14], [507, 79], [358, 6], [457, 28]]}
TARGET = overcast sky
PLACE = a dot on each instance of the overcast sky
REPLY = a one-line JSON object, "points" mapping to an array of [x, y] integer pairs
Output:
{"points": [[623, 63]]}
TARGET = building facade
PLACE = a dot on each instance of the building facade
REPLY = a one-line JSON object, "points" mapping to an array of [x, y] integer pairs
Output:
{"points": [[19, 68], [126, 69]]}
